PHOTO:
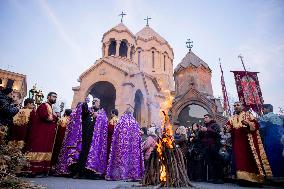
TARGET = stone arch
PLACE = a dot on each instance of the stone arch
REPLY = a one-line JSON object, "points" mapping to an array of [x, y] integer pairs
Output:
{"points": [[138, 106], [123, 48], [192, 112], [165, 57], [112, 48], [153, 57], [139, 56], [192, 101], [106, 92]]}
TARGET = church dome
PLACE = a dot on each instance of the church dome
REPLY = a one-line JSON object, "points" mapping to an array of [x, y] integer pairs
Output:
{"points": [[119, 41], [193, 72], [120, 28], [191, 60], [148, 33]]}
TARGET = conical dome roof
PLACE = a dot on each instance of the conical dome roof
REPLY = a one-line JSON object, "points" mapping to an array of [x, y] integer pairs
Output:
{"points": [[148, 33], [120, 28], [191, 60]]}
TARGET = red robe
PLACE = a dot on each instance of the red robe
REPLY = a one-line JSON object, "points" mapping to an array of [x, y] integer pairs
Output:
{"points": [[41, 139], [250, 158], [110, 131], [62, 124], [21, 124]]}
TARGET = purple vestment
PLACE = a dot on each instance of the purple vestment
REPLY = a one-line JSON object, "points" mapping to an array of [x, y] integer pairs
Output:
{"points": [[72, 143], [97, 157], [126, 159]]}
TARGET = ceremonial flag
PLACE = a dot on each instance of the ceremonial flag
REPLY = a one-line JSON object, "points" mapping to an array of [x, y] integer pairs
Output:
{"points": [[248, 89]]}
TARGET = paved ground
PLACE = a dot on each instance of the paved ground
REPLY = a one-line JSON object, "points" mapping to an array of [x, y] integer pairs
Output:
{"points": [[69, 183]]}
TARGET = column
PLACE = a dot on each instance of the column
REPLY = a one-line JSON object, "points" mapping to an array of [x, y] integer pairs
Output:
{"points": [[128, 50], [106, 49], [117, 47]]}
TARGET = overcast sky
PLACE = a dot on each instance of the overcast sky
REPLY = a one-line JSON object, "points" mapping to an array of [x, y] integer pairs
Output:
{"points": [[53, 42]]}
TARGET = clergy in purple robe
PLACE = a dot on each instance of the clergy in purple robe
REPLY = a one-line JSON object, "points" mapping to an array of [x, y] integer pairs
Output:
{"points": [[71, 145], [97, 156], [126, 159]]}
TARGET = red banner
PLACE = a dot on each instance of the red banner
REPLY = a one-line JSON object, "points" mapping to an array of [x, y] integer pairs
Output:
{"points": [[248, 89]]}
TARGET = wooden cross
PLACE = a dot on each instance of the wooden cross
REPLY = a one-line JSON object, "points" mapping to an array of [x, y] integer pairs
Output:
{"points": [[147, 20], [122, 14]]}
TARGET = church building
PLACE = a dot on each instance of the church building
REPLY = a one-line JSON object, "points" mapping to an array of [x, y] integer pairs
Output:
{"points": [[135, 69], [193, 92]]}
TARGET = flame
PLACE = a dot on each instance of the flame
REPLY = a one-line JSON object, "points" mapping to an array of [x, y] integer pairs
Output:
{"points": [[163, 175], [159, 148], [164, 112], [167, 133]]}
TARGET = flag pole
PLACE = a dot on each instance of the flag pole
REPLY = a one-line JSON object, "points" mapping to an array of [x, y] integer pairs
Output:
{"points": [[224, 90], [250, 87]]}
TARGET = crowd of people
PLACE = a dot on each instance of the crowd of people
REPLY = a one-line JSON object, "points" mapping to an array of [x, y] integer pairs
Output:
{"points": [[81, 144], [85, 143], [247, 149]]}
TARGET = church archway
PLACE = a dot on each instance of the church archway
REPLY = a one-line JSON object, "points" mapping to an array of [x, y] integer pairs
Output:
{"points": [[112, 48], [123, 49], [138, 106], [192, 113], [106, 92]]}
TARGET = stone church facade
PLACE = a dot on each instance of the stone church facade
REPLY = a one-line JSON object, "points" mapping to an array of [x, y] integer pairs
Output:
{"points": [[16, 81], [134, 70], [193, 92]]}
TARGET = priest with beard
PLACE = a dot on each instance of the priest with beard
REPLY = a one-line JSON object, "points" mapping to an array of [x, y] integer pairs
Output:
{"points": [[93, 154], [41, 136], [251, 163]]}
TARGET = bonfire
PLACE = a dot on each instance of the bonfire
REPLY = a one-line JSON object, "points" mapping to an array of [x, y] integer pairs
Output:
{"points": [[166, 166]]}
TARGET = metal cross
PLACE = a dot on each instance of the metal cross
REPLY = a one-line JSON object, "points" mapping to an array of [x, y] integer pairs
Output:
{"points": [[241, 57], [122, 14], [281, 110], [189, 44], [9, 66], [147, 20]]}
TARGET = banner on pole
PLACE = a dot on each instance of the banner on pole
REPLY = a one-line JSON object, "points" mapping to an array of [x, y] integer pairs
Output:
{"points": [[248, 89]]}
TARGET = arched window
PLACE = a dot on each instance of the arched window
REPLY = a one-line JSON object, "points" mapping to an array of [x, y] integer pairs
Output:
{"points": [[123, 49], [139, 56], [153, 59], [112, 48], [164, 62], [138, 107]]}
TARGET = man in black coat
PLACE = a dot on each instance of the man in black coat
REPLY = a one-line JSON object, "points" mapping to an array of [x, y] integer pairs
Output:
{"points": [[210, 139], [7, 109], [88, 122], [7, 112]]}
